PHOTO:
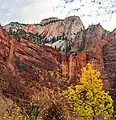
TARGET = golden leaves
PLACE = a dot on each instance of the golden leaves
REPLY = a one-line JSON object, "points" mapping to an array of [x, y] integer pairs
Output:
{"points": [[89, 99]]}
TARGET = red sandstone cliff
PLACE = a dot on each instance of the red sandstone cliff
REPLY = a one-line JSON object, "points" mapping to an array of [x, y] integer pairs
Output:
{"points": [[22, 62]]}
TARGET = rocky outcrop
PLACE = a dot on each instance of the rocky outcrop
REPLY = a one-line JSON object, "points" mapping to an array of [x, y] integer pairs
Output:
{"points": [[21, 65], [23, 62], [49, 20], [55, 32], [109, 58], [73, 25], [114, 31]]}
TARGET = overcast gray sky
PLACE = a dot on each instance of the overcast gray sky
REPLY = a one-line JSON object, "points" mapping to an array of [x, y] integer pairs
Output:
{"points": [[33, 11]]}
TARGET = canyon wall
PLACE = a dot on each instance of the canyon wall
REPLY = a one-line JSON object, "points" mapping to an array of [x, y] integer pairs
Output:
{"points": [[22, 62]]}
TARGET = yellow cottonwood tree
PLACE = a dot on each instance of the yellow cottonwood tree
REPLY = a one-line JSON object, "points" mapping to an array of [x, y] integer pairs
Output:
{"points": [[88, 99]]}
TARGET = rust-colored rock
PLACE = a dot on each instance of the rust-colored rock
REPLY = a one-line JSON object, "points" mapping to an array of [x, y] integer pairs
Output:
{"points": [[22, 62]]}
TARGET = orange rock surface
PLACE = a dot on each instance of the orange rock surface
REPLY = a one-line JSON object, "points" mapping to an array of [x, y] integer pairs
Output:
{"points": [[22, 62]]}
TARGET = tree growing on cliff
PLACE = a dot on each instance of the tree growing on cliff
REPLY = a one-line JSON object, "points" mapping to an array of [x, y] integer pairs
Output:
{"points": [[88, 99]]}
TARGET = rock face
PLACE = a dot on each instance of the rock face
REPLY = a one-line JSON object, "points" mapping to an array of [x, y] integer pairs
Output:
{"points": [[22, 62], [55, 32], [109, 58], [73, 25]]}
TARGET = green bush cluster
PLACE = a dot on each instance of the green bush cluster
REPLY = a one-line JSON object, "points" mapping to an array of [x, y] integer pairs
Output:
{"points": [[26, 35]]}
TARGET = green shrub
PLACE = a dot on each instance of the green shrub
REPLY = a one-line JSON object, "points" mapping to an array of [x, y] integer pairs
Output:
{"points": [[105, 46], [80, 49]]}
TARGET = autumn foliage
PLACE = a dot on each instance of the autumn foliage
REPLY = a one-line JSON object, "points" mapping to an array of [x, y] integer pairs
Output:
{"points": [[89, 100], [86, 101]]}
